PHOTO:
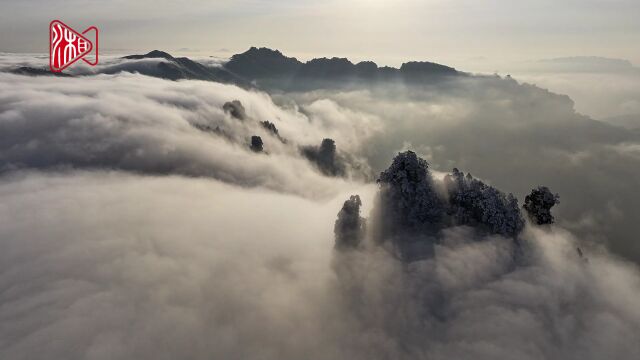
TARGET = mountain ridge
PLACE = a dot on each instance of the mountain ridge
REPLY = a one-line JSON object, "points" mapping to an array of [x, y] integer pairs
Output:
{"points": [[261, 65], [271, 69]]}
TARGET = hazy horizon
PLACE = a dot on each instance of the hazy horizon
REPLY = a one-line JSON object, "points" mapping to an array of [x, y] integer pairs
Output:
{"points": [[602, 88], [386, 31]]}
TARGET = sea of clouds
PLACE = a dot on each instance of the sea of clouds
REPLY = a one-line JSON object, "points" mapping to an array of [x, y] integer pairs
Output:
{"points": [[136, 222]]}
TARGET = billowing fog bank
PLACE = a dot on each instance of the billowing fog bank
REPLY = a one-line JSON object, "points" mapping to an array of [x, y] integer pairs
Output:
{"points": [[100, 265], [143, 218]]}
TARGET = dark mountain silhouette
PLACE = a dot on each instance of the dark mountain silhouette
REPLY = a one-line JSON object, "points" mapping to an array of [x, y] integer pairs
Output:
{"points": [[423, 68], [412, 214], [327, 68], [262, 63], [151, 55], [31, 71], [366, 69], [183, 68], [271, 69]]}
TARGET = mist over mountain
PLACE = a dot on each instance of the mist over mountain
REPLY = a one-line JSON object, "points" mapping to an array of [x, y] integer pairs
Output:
{"points": [[587, 64], [156, 207], [184, 68], [26, 70], [601, 87], [452, 122], [270, 69], [629, 121]]}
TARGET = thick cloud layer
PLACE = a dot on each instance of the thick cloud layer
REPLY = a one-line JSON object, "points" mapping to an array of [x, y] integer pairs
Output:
{"points": [[513, 136], [109, 64], [141, 124], [104, 265], [137, 222]]}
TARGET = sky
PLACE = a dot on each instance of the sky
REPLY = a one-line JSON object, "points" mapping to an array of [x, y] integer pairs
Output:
{"points": [[470, 34]]}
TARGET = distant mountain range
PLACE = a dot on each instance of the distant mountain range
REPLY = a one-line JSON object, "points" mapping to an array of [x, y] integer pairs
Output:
{"points": [[587, 64], [184, 68], [628, 121], [270, 69], [31, 71], [266, 68]]}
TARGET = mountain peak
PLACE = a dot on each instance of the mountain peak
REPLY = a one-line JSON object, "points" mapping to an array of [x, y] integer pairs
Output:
{"points": [[426, 67], [153, 54], [264, 51], [262, 62]]}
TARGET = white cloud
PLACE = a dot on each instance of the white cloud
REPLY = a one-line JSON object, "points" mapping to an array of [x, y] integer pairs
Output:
{"points": [[119, 240], [137, 123], [101, 265]]}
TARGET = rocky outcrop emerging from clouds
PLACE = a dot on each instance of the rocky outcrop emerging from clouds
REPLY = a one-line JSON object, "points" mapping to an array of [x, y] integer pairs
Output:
{"points": [[349, 228], [154, 127], [256, 144], [538, 205], [413, 209], [326, 158], [332, 162], [235, 109], [474, 203], [408, 198], [271, 128]]}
